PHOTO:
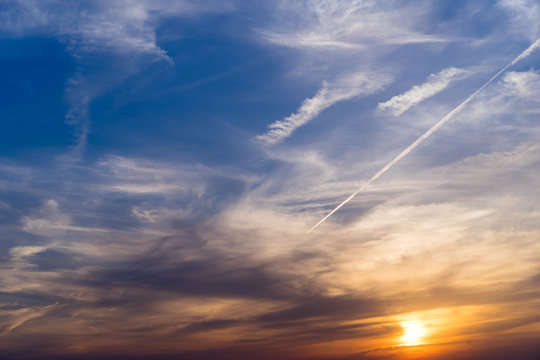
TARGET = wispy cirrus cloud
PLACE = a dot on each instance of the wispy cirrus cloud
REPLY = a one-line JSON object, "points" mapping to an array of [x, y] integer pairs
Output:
{"points": [[524, 16], [121, 36], [133, 176], [47, 220], [523, 84], [345, 88], [141, 176], [19, 252], [127, 27], [50, 221], [353, 25], [517, 89], [435, 84]]}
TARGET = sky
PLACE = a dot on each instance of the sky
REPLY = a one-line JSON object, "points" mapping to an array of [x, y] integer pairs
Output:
{"points": [[162, 163]]}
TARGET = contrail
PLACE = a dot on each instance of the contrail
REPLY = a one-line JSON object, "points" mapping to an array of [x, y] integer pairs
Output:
{"points": [[434, 128]]}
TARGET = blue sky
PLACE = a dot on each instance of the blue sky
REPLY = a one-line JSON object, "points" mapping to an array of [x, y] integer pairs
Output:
{"points": [[162, 161]]}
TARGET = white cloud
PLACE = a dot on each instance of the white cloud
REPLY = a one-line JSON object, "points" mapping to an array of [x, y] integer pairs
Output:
{"points": [[330, 93], [123, 29], [125, 26], [480, 168], [19, 252], [47, 221], [331, 24], [524, 16], [142, 176], [120, 26], [4, 205], [516, 94], [524, 84], [150, 214], [154, 188], [145, 177], [418, 93]]}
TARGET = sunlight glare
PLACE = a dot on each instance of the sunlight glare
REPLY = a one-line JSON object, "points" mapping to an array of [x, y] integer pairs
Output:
{"points": [[413, 333]]}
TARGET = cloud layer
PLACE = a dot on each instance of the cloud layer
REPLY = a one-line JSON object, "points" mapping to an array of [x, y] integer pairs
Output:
{"points": [[175, 235]]}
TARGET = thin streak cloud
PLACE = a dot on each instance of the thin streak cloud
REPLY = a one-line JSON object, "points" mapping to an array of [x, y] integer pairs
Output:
{"points": [[418, 93], [329, 94]]}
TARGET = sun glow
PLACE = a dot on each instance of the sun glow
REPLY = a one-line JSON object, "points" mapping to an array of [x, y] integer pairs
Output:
{"points": [[413, 332]]}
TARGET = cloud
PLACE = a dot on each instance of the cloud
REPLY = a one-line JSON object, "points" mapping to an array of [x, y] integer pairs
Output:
{"points": [[24, 315], [109, 41], [122, 27], [118, 29], [152, 214], [352, 25], [4, 206], [139, 176], [50, 221], [435, 84], [514, 96], [160, 193], [524, 15], [523, 84], [47, 221], [345, 88], [23, 251]]}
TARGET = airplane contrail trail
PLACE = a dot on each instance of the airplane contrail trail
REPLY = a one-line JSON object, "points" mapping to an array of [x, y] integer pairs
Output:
{"points": [[434, 128]]}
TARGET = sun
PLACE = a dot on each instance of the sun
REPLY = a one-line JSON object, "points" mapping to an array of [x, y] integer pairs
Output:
{"points": [[413, 332]]}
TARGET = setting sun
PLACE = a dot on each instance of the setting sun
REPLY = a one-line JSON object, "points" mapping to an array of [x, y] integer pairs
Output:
{"points": [[413, 333]]}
